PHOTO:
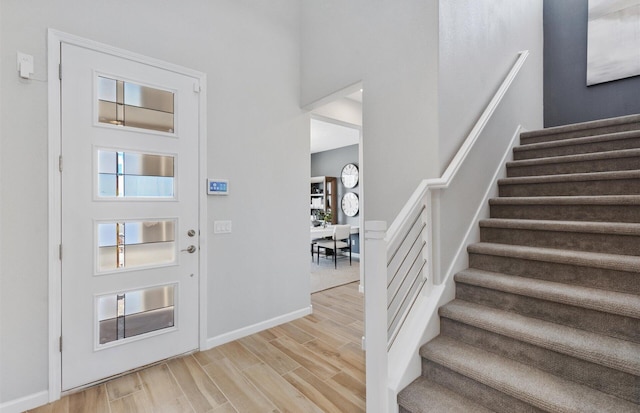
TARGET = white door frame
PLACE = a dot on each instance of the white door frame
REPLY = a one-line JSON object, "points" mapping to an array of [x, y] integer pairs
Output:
{"points": [[55, 39]]}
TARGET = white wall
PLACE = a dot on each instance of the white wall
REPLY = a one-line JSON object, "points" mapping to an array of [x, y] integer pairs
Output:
{"points": [[392, 49], [479, 40], [344, 110], [250, 51], [2, 318]]}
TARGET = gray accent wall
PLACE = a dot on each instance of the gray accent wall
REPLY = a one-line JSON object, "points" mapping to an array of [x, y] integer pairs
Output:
{"points": [[330, 163], [567, 99]]}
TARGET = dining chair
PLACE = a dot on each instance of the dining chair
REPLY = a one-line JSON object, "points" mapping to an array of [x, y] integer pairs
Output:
{"points": [[340, 240]]}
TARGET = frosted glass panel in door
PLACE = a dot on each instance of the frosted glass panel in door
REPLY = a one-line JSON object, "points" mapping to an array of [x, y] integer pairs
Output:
{"points": [[135, 175], [129, 104], [133, 313], [134, 244]]}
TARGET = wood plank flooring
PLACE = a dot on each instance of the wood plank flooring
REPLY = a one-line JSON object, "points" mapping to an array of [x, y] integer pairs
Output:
{"points": [[313, 364]]}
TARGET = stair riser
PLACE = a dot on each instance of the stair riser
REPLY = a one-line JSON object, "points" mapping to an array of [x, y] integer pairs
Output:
{"points": [[599, 377], [474, 390], [600, 165], [522, 153], [598, 213], [592, 242], [526, 140], [612, 325], [606, 279], [629, 186]]}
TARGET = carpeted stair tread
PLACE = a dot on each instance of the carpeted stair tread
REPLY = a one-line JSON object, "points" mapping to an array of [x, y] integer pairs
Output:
{"points": [[423, 396], [575, 146], [601, 208], [556, 270], [607, 200], [595, 299], [595, 236], [616, 262], [533, 386], [617, 154], [596, 348], [579, 141], [564, 226], [577, 177], [596, 376], [630, 121]]}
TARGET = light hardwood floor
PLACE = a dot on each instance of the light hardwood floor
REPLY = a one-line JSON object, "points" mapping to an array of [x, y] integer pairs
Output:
{"points": [[313, 364]]}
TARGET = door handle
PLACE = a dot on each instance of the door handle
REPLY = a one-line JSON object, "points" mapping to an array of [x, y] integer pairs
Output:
{"points": [[190, 249]]}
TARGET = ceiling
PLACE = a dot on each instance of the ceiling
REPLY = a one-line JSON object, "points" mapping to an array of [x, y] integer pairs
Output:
{"points": [[326, 136], [357, 96]]}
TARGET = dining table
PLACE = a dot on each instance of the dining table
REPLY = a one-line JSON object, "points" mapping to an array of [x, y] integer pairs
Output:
{"points": [[325, 232]]}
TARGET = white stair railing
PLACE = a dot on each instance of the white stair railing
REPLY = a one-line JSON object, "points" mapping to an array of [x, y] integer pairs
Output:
{"points": [[400, 263], [406, 263]]}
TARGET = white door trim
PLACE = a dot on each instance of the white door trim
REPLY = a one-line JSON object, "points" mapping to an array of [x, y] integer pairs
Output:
{"points": [[55, 39]]}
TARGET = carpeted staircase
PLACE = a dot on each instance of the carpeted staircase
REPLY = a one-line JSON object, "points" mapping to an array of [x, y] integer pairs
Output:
{"points": [[547, 317]]}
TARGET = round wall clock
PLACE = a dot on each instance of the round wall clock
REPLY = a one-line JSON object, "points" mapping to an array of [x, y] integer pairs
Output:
{"points": [[349, 175], [350, 204]]}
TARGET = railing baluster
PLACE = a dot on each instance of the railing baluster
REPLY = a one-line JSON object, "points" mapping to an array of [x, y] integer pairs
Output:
{"points": [[413, 222]]}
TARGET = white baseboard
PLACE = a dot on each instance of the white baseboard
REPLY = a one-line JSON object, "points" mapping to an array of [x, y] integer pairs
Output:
{"points": [[255, 328], [25, 403]]}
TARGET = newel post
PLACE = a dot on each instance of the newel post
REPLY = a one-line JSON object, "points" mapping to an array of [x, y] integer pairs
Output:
{"points": [[375, 297]]}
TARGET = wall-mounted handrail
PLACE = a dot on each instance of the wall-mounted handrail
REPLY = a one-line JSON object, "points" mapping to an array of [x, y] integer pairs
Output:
{"points": [[445, 180], [383, 247]]}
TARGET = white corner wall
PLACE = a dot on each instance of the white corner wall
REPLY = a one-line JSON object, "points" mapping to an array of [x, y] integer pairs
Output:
{"points": [[258, 138], [479, 42], [343, 110], [392, 49]]}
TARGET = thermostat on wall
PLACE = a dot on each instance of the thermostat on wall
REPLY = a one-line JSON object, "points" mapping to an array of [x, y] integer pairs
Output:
{"points": [[217, 186]]}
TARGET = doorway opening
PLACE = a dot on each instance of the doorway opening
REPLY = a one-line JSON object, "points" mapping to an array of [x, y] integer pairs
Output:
{"points": [[336, 196]]}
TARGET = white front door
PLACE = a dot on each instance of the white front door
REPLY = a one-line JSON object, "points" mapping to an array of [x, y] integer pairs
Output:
{"points": [[129, 214]]}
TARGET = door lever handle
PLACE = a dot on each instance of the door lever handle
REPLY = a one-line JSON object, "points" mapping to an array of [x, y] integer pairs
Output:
{"points": [[190, 249]]}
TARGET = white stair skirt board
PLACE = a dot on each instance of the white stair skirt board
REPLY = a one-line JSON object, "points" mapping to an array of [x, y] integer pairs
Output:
{"points": [[325, 275]]}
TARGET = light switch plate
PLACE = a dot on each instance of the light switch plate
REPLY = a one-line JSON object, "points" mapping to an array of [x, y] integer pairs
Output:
{"points": [[222, 227]]}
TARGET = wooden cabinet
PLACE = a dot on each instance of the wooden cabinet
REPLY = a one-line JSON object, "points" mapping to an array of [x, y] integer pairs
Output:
{"points": [[324, 192]]}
